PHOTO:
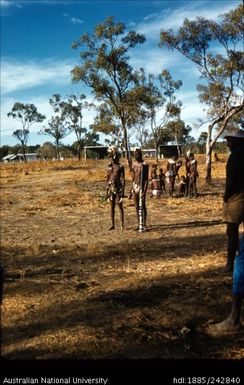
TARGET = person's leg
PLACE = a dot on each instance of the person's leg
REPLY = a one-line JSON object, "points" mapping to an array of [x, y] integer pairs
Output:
{"points": [[112, 213], [171, 186], [144, 212], [232, 245], [235, 314], [136, 202], [187, 186], [195, 187], [231, 323], [190, 188], [121, 214]]}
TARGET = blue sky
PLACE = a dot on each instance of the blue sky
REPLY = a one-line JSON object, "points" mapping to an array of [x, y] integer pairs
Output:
{"points": [[36, 53]]}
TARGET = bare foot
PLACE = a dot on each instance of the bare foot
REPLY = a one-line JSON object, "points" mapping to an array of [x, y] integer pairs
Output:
{"points": [[111, 228]]}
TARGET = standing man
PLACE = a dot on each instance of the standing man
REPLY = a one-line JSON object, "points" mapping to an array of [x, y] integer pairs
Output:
{"points": [[115, 186], [139, 188], [187, 168], [233, 322], [172, 172], [233, 206]]}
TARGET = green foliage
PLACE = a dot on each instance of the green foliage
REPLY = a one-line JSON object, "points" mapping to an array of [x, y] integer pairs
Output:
{"points": [[159, 100], [177, 131], [71, 114], [27, 115], [57, 127], [222, 73], [47, 150], [106, 70], [91, 139]]}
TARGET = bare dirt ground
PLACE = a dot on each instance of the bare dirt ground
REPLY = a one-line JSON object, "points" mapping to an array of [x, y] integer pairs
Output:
{"points": [[73, 290]]}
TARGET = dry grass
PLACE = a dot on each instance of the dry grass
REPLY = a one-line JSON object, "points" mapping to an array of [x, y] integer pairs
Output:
{"points": [[74, 290]]}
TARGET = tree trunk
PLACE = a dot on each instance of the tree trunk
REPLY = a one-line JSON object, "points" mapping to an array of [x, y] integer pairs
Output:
{"points": [[208, 176], [156, 150], [177, 145], [57, 153], [224, 119], [127, 153], [79, 151], [24, 152], [209, 148], [156, 144]]}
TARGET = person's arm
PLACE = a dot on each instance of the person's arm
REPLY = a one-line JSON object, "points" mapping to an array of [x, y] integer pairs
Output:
{"points": [[109, 170]]}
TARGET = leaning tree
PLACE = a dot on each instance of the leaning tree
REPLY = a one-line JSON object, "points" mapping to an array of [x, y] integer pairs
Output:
{"points": [[27, 115], [106, 70], [216, 49]]}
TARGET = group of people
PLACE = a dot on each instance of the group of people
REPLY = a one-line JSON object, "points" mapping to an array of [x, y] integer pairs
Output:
{"points": [[116, 187], [140, 176], [233, 206], [187, 183]]}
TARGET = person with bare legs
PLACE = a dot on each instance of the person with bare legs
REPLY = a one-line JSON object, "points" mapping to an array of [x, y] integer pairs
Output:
{"points": [[192, 176], [161, 177], [115, 186], [233, 322], [171, 174], [139, 188], [233, 205], [187, 171], [155, 182]]}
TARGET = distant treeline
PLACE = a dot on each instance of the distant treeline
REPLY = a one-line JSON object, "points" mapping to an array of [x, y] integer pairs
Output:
{"points": [[48, 151]]}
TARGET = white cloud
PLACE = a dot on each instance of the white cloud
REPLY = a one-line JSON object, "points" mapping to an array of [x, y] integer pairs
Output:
{"points": [[20, 3], [73, 20], [5, 3], [168, 18], [153, 60], [76, 20], [9, 3], [18, 75], [9, 125]]}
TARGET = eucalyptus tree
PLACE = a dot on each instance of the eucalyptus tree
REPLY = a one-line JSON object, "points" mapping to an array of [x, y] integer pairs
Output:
{"points": [[216, 48], [142, 131], [27, 115], [47, 150], [106, 70], [159, 103], [72, 110], [57, 126], [178, 132], [108, 123], [202, 140]]}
